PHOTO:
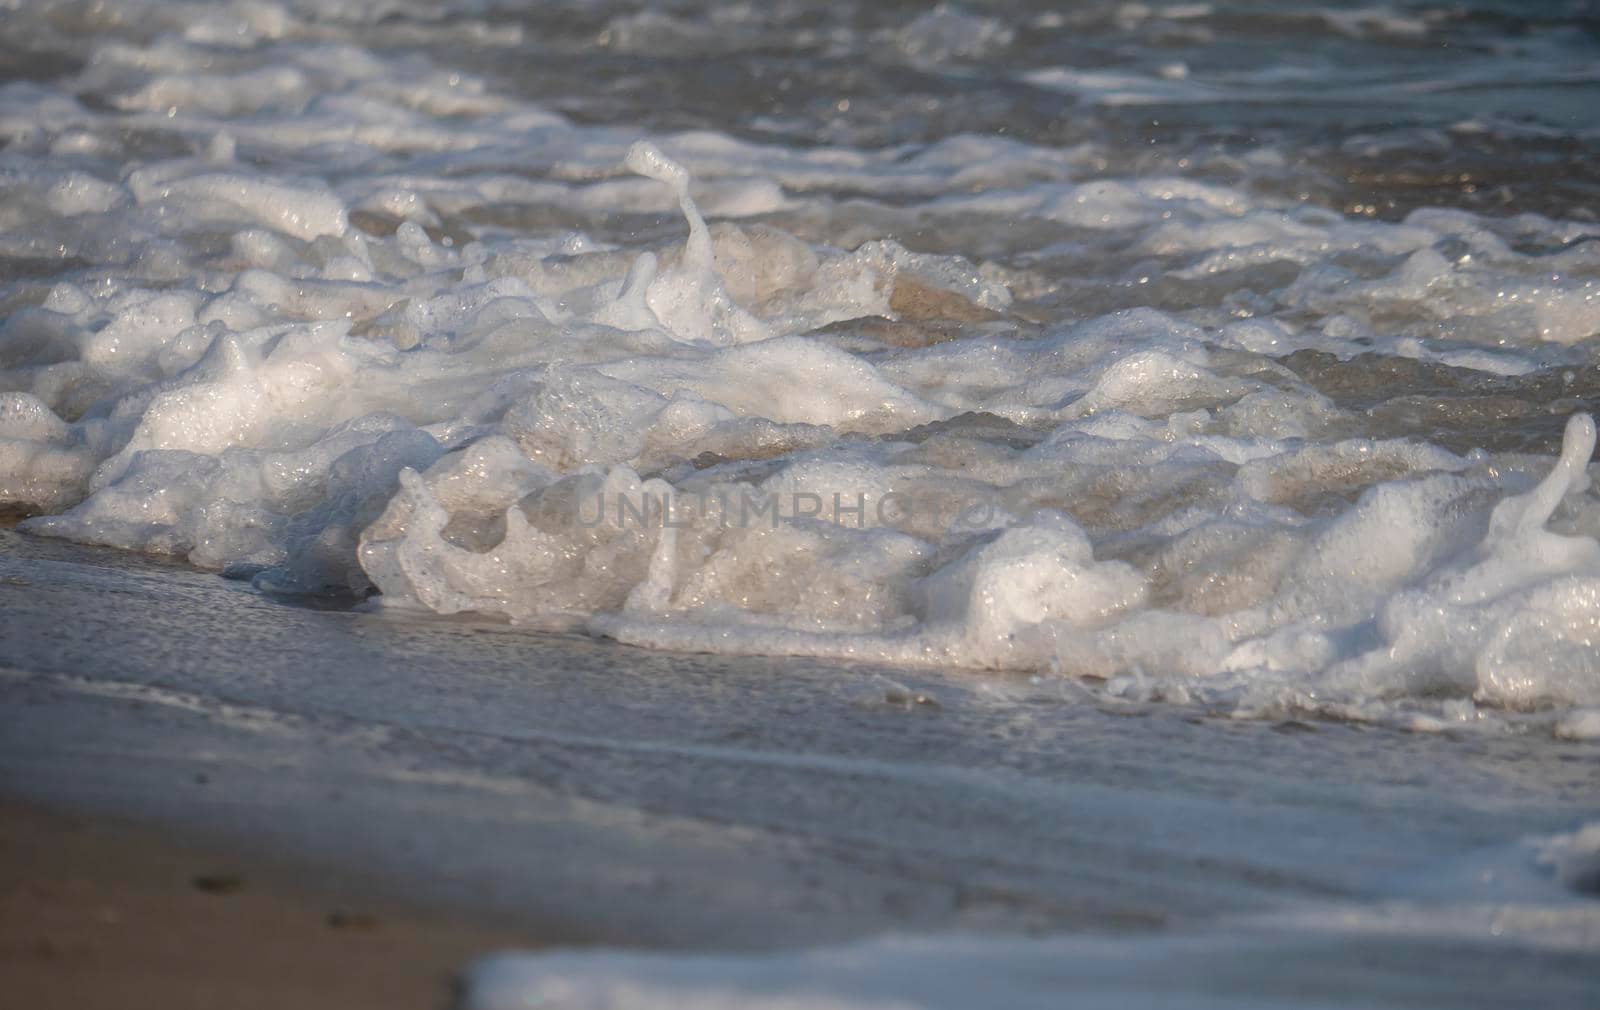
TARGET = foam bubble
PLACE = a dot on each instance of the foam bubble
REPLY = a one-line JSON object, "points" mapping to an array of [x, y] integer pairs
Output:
{"points": [[285, 302]]}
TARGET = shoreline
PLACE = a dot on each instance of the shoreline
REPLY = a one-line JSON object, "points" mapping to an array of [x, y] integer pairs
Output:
{"points": [[295, 808], [101, 911]]}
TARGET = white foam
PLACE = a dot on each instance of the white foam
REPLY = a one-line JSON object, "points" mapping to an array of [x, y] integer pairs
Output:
{"points": [[303, 211], [690, 300], [1163, 969], [346, 319]]}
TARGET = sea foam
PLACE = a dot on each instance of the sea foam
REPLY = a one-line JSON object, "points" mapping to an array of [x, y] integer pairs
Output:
{"points": [[344, 322]]}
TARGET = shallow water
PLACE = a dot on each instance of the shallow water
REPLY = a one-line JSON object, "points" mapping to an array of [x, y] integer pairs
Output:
{"points": [[1231, 358], [1050, 842]]}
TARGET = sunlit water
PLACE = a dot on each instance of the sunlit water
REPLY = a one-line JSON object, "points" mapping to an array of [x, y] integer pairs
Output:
{"points": [[1234, 358]]}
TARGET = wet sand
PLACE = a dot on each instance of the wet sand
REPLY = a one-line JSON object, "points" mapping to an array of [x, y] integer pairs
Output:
{"points": [[97, 912], [588, 793]]}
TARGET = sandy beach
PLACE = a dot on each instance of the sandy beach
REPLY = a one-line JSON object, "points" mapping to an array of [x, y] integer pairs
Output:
{"points": [[342, 809], [98, 912]]}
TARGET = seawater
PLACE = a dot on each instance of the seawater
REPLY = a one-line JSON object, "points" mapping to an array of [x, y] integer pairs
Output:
{"points": [[1234, 355], [1211, 350]]}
